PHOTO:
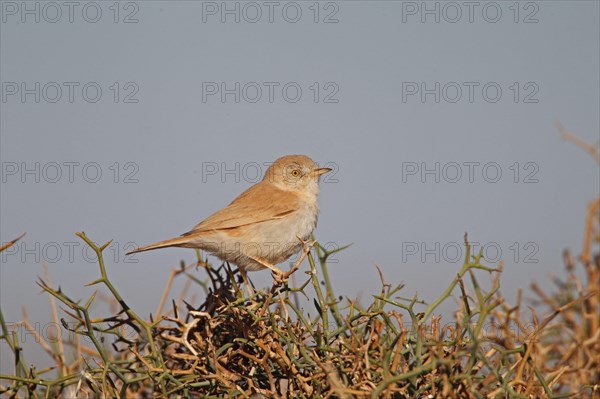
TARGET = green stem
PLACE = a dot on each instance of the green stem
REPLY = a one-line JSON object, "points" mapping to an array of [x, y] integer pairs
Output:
{"points": [[157, 356]]}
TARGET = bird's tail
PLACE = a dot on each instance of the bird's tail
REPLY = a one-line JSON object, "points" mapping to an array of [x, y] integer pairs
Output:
{"points": [[173, 242]]}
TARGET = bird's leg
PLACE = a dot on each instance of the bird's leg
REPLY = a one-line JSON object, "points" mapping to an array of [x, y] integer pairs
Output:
{"points": [[249, 287], [277, 273], [308, 244], [279, 276]]}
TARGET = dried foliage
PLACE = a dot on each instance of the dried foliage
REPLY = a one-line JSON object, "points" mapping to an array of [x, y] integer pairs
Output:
{"points": [[268, 345]]}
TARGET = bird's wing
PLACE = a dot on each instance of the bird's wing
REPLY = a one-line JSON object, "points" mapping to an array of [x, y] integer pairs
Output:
{"points": [[257, 204]]}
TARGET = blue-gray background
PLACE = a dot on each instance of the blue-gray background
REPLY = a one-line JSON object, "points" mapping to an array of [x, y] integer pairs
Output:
{"points": [[171, 150]]}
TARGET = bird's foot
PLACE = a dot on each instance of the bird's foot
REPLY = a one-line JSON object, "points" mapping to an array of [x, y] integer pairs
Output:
{"points": [[278, 275]]}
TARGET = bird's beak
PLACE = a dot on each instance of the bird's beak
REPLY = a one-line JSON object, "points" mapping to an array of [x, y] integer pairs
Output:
{"points": [[321, 171]]}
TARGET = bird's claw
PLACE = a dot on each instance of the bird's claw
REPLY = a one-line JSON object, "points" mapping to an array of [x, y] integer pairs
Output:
{"points": [[280, 278]]}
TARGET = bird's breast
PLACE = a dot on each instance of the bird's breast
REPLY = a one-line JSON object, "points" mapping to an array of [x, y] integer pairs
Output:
{"points": [[288, 228], [273, 240]]}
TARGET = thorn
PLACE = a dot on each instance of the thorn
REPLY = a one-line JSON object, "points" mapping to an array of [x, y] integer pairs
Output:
{"points": [[11, 243], [105, 245], [100, 280], [89, 302]]}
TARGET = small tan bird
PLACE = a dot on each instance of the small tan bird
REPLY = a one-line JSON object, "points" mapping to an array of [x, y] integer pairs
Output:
{"points": [[266, 224]]}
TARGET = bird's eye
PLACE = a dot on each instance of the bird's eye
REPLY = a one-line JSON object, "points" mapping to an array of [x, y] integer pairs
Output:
{"points": [[296, 172]]}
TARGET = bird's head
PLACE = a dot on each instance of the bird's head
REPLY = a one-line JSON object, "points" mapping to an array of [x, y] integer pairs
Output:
{"points": [[296, 173]]}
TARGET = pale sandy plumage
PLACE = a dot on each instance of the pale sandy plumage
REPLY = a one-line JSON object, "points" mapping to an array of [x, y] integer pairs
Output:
{"points": [[262, 226]]}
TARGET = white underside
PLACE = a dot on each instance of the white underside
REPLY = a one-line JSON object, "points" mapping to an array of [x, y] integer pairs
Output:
{"points": [[272, 241]]}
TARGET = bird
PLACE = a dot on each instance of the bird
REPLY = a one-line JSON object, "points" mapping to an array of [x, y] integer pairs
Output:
{"points": [[266, 224]]}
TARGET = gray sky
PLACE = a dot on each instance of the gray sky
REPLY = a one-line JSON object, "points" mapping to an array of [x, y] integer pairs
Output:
{"points": [[134, 122]]}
